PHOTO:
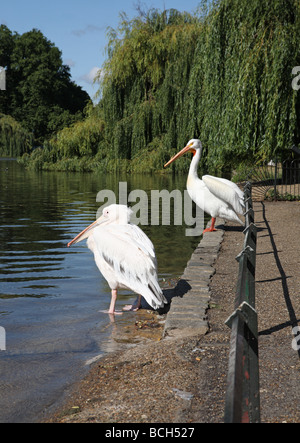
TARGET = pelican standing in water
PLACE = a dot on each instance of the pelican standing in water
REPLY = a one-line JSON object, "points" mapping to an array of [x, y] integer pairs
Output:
{"points": [[216, 196], [124, 255]]}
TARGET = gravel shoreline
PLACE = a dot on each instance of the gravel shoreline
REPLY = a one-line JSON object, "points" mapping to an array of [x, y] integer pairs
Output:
{"points": [[181, 378]]}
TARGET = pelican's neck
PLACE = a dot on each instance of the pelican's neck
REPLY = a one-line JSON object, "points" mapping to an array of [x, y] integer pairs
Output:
{"points": [[194, 164]]}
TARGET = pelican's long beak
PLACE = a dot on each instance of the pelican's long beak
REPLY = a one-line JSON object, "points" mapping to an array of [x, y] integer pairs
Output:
{"points": [[180, 153], [86, 232]]}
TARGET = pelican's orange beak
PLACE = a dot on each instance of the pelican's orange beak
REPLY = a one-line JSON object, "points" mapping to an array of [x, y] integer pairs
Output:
{"points": [[87, 231], [180, 153], [83, 234]]}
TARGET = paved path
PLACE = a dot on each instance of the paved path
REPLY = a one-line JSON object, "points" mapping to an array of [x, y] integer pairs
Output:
{"points": [[277, 304]]}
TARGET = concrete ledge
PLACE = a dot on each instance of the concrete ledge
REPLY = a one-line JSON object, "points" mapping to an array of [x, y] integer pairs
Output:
{"points": [[187, 314]]}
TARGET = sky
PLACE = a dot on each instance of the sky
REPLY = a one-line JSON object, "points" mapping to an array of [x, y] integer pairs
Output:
{"points": [[78, 27]]}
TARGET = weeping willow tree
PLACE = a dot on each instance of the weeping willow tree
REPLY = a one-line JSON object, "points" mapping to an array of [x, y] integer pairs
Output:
{"points": [[225, 78], [144, 86], [14, 140], [247, 109]]}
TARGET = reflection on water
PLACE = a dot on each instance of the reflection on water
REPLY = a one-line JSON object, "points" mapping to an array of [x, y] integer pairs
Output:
{"points": [[50, 296]]}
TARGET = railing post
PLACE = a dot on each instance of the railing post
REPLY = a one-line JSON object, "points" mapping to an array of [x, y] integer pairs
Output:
{"points": [[275, 180], [242, 403]]}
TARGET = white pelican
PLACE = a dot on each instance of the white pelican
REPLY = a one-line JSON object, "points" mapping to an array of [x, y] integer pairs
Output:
{"points": [[124, 255], [216, 196]]}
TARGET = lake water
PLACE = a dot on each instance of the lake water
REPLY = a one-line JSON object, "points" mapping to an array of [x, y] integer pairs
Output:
{"points": [[51, 295]]}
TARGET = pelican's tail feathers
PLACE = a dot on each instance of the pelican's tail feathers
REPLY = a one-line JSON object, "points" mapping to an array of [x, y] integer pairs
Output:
{"points": [[229, 214], [154, 295]]}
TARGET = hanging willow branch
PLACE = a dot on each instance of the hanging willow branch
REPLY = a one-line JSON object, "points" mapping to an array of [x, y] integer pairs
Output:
{"points": [[14, 140]]}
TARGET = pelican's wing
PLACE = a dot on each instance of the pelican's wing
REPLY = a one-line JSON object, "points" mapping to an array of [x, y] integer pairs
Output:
{"points": [[140, 238], [226, 191], [130, 254]]}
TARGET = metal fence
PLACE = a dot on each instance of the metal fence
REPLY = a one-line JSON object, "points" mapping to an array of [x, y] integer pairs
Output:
{"points": [[242, 403], [277, 179]]}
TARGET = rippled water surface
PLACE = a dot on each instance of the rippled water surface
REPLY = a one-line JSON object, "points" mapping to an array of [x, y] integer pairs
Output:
{"points": [[51, 295]]}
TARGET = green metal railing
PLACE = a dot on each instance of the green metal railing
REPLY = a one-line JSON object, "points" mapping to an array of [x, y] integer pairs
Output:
{"points": [[242, 403]]}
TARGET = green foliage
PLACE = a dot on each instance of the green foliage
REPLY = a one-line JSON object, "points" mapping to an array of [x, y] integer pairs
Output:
{"points": [[80, 139], [271, 196], [14, 140], [222, 75], [39, 92], [143, 86], [75, 148], [249, 104]]}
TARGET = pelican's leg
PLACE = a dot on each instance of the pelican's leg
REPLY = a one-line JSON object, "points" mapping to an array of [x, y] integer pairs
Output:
{"points": [[134, 307], [212, 226], [138, 305], [114, 294]]}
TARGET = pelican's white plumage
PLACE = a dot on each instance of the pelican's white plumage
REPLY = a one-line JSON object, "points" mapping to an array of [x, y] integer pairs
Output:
{"points": [[225, 190], [216, 196], [124, 255]]}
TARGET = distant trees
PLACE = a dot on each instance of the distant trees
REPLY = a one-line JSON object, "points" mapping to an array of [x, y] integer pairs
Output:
{"points": [[40, 94]]}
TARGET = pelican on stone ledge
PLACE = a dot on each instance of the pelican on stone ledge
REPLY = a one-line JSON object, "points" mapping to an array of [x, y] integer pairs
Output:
{"points": [[216, 196]]}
